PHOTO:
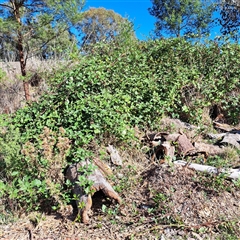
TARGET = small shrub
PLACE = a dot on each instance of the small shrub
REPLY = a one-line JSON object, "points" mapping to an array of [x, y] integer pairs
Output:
{"points": [[32, 175]]}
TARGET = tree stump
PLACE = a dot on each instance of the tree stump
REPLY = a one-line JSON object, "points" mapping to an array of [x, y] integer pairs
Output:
{"points": [[84, 201]]}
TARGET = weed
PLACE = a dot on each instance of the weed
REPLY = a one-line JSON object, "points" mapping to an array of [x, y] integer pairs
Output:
{"points": [[99, 225], [223, 161], [160, 197], [229, 229], [110, 211], [237, 183], [34, 173]]}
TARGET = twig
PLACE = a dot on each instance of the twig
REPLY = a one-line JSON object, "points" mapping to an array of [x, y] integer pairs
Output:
{"points": [[30, 234]]}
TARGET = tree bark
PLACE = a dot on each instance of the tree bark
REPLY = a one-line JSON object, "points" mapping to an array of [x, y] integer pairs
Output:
{"points": [[20, 50]]}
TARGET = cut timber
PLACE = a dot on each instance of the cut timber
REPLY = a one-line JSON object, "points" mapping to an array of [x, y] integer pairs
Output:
{"points": [[232, 139], [172, 137], [230, 173], [184, 145], [224, 127], [178, 124], [84, 202], [217, 136], [167, 143], [103, 167]]}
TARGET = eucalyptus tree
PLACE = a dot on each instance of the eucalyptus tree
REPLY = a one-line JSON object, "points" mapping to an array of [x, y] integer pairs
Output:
{"points": [[101, 25], [230, 17], [180, 17], [7, 51], [33, 24]]}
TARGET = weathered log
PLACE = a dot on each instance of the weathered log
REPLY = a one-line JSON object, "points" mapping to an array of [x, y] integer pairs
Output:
{"points": [[225, 127], [178, 124], [172, 137], [169, 151], [103, 167], [232, 139], [114, 155], [184, 146], [230, 173], [217, 136], [84, 201], [210, 149]]}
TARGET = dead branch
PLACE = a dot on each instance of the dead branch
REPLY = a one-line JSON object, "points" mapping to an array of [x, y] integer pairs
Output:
{"points": [[230, 173]]}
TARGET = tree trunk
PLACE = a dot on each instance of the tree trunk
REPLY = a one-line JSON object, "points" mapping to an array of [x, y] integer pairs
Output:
{"points": [[23, 66], [20, 51]]}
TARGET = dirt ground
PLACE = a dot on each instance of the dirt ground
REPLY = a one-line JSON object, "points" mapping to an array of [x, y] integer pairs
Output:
{"points": [[159, 202]]}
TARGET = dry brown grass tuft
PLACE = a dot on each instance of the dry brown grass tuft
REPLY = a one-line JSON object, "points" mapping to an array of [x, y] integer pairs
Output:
{"points": [[11, 87]]}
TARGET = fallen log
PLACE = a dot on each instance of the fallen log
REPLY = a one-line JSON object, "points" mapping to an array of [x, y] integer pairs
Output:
{"points": [[231, 137], [225, 127], [230, 173], [104, 168], [210, 149], [184, 146]]}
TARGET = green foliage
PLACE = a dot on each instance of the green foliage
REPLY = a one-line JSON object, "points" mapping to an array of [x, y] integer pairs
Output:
{"points": [[100, 24], [182, 17], [31, 172], [237, 182], [103, 98], [40, 27], [9, 144], [2, 75], [82, 181]]}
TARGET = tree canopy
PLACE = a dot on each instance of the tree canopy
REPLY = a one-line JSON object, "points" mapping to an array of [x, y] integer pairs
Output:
{"points": [[180, 17], [100, 24], [230, 17], [30, 26]]}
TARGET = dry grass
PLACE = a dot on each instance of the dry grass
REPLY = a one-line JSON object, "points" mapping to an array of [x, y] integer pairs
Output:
{"points": [[11, 87]]}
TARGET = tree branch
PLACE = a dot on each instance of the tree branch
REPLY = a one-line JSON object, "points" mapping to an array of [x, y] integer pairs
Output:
{"points": [[5, 6], [45, 43]]}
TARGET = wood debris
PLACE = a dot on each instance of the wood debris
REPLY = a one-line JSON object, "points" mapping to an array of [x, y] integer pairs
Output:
{"points": [[84, 200], [114, 155], [230, 173], [168, 147]]}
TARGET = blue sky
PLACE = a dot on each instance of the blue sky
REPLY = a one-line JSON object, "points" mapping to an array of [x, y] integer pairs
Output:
{"points": [[135, 10]]}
